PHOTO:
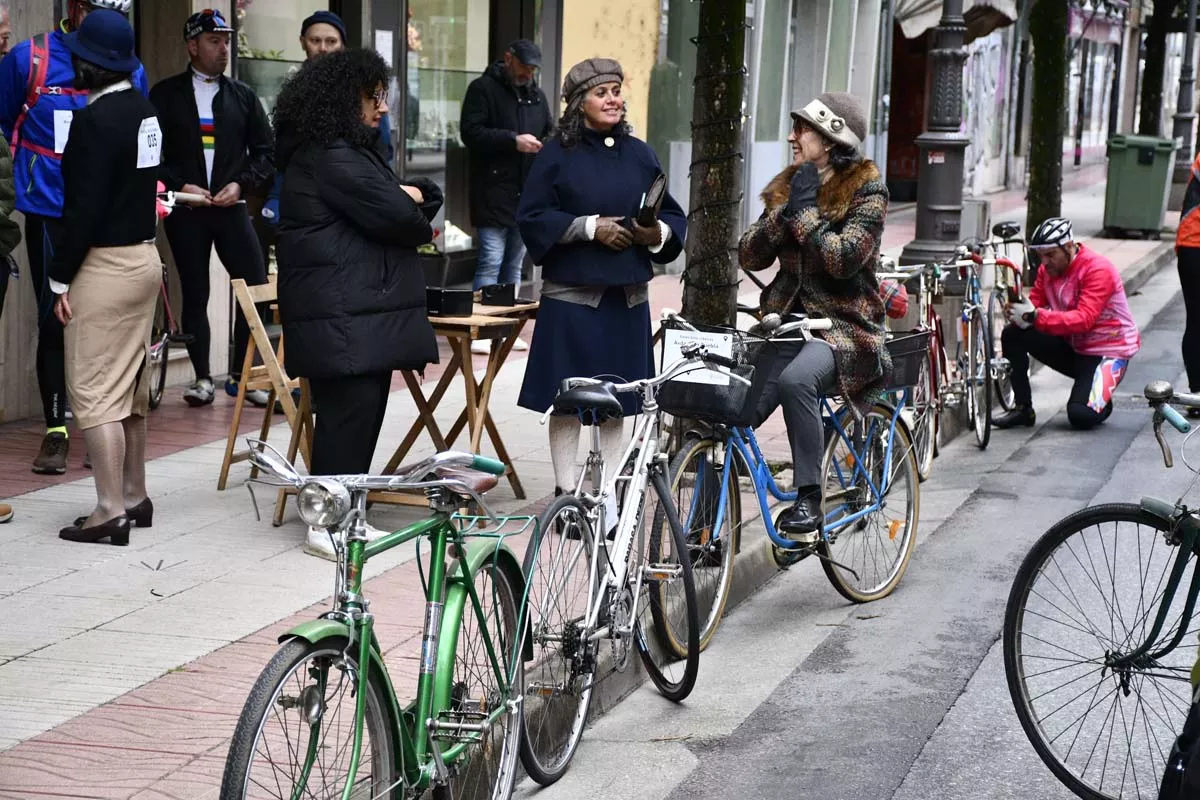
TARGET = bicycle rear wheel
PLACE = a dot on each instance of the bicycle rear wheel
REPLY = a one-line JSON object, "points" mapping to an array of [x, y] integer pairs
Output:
{"points": [[925, 420], [1087, 594], [488, 768], [298, 726], [559, 679], [872, 550], [696, 481], [979, 379], [1001, 373], [160, 346], [667, 602]]}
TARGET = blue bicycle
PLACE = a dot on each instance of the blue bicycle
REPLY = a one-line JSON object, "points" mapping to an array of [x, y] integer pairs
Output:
{"points": [[870, 485]]}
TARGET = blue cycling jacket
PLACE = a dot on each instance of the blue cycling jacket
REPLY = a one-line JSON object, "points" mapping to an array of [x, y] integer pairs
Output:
{"points": [[38, 174]]}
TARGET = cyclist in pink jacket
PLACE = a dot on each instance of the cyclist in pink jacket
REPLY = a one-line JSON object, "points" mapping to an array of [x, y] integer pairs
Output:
{"points": [[1076, 321]]}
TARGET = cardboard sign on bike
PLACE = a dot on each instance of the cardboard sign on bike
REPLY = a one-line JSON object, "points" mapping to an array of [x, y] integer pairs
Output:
{"points": [[720, 344]]}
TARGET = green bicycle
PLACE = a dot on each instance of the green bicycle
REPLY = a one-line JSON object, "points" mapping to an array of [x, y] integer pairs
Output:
{"points": [[323, 719]]}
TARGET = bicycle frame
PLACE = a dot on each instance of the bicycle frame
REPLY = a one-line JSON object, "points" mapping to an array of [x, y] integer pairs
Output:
{"points": [[744, 441], [643, 448]]}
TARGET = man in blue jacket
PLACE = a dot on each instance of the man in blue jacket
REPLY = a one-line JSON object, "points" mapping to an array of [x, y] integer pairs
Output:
{"points": [[37, 101]]}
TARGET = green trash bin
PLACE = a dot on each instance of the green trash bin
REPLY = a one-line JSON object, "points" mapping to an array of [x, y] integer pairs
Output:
{"points": [[1139, 179]]}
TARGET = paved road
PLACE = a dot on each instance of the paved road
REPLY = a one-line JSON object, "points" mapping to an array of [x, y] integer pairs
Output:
{"points": [[803, 696]]}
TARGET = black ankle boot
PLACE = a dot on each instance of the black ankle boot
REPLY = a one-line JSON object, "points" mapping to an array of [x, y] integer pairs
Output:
{"points": [[805, 520], [1020, 416]]}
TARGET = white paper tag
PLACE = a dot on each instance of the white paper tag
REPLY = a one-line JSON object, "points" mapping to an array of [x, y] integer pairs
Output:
{"points": [[720, 344], [149, 143], [62, 128]]}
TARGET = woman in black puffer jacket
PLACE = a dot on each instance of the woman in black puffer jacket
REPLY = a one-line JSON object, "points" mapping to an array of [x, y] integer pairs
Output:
{"points": [[351, 288]]}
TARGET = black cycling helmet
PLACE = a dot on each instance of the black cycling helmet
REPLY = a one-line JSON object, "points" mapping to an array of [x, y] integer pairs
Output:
{"points": [[1054, 232]]}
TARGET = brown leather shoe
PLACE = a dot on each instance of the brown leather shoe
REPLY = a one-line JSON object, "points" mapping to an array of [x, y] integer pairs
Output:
{"points": [[6, 512], [116, 530]]}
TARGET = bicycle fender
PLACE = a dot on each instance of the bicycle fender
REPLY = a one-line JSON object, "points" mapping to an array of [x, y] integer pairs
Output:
{"points": [[476, 552], [891, 409], [1163, 509], [316, 630]]}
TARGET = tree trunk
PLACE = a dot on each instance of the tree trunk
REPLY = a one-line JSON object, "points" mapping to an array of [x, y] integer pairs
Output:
{"points": [[1150, 116], [710, 277], [1048, 34]]}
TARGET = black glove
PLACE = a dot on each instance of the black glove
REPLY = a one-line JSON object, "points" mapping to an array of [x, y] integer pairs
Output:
{"points": [[805, 184]]}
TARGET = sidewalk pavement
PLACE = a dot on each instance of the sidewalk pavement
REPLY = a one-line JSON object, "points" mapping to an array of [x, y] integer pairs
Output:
{"points": [[123, 670]]}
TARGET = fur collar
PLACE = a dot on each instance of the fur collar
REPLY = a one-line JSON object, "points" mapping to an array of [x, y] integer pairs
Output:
{"points": [[835, 195]]}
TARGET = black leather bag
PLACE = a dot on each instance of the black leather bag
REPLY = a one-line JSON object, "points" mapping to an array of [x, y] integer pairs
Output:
{"points": [[652, 202]]}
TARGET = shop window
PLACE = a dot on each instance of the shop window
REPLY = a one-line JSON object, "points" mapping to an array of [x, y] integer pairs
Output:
{"points": [[447, 49], [268, 42]]}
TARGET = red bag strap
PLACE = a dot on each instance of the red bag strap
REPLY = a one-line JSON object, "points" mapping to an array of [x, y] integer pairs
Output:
{"points": [[35, 87]]}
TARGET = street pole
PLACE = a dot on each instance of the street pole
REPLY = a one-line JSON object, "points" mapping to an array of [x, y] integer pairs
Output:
{"points": [[1185, 114], [942, 146]]}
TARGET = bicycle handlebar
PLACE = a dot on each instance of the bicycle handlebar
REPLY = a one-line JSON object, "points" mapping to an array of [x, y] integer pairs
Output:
{"points": [[1161, 394]]}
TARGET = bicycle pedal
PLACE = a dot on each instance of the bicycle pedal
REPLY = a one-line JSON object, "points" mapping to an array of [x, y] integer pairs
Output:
{"points": [[662, 572], [539, 689]]}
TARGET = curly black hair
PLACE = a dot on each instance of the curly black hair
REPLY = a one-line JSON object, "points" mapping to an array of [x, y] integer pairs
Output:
{"points": [[571, 124], [322, 102]]}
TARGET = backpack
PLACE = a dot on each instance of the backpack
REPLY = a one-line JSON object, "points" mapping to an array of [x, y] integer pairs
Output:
{"points": [[35, 87]]}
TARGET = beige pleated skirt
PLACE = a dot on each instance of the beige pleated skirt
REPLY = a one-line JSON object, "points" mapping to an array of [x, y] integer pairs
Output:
{"points": [[108, 338]]}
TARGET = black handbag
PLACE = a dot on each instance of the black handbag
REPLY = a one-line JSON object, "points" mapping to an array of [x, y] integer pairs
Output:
{"points": [[652, 202]]}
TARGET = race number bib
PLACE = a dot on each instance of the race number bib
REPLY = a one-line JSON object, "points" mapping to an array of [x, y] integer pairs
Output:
{"points": [[62, 128], [149, 143]]}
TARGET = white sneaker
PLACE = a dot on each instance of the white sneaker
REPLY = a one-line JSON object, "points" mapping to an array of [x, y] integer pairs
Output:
{"points": [[481, 347], [519, 344], [318, 542]]}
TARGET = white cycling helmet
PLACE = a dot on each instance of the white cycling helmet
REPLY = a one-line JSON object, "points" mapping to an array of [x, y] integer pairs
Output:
{"points": [[1054, 232], [124, 6]]}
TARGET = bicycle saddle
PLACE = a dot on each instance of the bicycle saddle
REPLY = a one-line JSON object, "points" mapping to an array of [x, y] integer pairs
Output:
{"points": [[478, 482], [1006, 230], [599, 399]]}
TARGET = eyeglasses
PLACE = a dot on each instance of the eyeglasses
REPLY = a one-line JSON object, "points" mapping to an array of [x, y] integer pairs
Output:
{"points": [[380, 97]]}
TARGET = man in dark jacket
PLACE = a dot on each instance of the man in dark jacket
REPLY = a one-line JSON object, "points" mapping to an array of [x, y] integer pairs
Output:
{"points": [[217, 143], [505, 117]]}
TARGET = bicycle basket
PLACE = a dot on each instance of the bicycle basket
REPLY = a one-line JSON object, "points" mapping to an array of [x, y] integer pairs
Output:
{"points": [[907, 349], [732, 404]]}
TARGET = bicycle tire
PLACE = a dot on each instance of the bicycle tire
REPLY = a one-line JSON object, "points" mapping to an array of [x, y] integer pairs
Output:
{"points": [[667, 644], [160, 347], [1002, 376], [925, 420], [1021, 666], [552, 731], [474, 687], [265, 696], [979, 371], [712, 553], [906, 468]]}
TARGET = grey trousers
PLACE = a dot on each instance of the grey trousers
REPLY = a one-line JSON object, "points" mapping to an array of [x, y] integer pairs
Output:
{"points": [[797, 378]]}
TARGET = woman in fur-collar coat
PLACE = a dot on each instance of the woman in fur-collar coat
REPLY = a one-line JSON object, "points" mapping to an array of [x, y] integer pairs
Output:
{"points": [[823, 223]]}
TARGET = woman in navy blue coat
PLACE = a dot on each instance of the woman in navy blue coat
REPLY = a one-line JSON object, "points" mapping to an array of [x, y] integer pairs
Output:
{"points": [[575, 216]]}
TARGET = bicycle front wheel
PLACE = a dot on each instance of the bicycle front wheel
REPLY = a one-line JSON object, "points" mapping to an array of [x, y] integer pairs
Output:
{"points": [[871, 509], [160, 345], [979, 379], [487, 768], [559, 679], [295, 733], [696, 479], [1084, 599], [666, 603]]}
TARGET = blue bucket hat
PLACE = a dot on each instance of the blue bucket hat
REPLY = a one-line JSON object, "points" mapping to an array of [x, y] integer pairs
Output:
{"points": [[105, 39]]}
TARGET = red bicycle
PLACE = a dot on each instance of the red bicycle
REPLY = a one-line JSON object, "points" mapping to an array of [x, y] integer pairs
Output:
{"points": [[166, 329]]}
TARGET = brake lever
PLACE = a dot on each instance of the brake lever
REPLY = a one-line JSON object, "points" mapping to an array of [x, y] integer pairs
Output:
{"points": [[1162, 440]]}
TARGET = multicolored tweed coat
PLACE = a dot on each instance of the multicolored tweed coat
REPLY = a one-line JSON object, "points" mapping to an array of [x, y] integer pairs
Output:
{"points": [[827, 258]]}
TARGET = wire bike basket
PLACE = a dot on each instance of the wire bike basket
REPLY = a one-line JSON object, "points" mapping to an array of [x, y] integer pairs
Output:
{"points": [[909, 350]]}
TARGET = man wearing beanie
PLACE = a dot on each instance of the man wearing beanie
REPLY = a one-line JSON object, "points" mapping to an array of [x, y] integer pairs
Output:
{"points": [[321, 33], [505, 117]]}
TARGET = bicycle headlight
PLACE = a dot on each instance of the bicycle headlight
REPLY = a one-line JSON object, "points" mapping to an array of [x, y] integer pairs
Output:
{"points": [[323, 503]]}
